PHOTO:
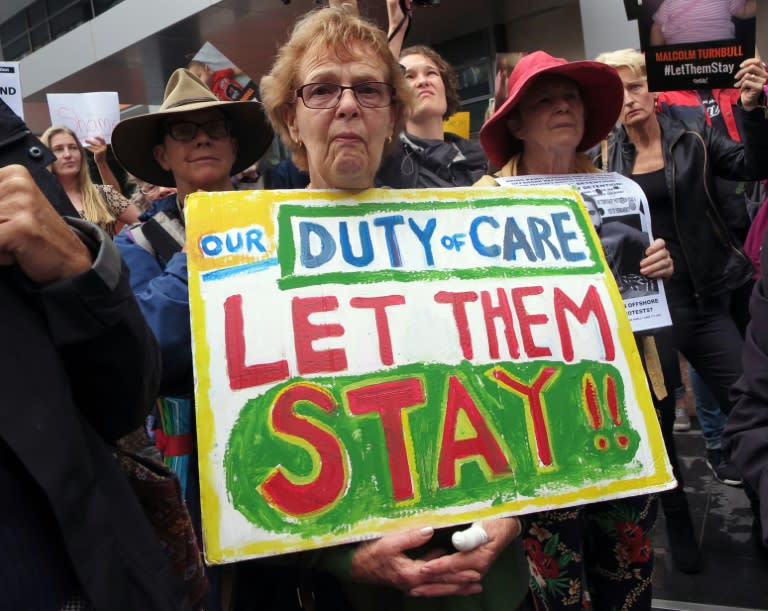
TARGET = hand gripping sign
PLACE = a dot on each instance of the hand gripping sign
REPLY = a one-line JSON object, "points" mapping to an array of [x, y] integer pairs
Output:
{"points": [[367, 363]]}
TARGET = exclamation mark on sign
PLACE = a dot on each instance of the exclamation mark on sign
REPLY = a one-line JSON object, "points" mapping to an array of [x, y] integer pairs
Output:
{"points": [[591, 403]]}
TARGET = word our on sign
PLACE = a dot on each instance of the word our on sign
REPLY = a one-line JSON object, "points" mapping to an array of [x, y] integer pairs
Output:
{"points": [[373, 362]]}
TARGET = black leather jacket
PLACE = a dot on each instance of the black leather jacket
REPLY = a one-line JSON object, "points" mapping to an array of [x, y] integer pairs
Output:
{"points": [[692, 157]]}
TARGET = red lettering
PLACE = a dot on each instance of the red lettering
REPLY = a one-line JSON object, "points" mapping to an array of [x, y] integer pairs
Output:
{"points": [[483, 445], [242, 375], [459, 301], [532, 395], [389, 400], [300, 499], [309, 360], [528, 320], [590, 305], [503, 312], [379, 305]]}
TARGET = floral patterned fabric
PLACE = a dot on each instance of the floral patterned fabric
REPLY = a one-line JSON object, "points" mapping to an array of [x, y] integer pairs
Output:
{"points": [[595, 556]]}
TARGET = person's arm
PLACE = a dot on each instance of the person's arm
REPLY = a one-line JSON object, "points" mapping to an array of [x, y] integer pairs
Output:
{"points": [[747, 11], [657, 262], [750, 80], [398, 23], [351, 5], [656, 36], [74, 272], [163, 297], [746, 433], [120, 206], [98, 147]]}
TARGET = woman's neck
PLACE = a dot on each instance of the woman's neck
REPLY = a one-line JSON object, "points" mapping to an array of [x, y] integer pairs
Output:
{"points": [[546, 162], [646, 134], [429, 128], [70, 183]]}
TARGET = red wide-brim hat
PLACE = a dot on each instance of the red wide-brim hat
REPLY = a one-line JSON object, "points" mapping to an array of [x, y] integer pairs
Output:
{"points": [[602, 94]]}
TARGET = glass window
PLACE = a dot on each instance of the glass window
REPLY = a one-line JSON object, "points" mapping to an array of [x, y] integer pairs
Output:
{"points": [[12, 29], [68, 19], [16, 49], [36, 13], [40, 36]]}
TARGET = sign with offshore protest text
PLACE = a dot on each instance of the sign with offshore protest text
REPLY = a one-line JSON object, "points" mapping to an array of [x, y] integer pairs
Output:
{"points": [[371, 362]]}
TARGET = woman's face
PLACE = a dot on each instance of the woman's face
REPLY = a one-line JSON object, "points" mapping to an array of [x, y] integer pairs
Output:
{"points": [[551, 114], [68, 156], [639, 103], [424, 77], [344, 144]]}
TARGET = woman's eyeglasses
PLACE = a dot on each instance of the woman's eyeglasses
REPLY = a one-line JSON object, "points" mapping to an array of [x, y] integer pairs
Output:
{"points": [[371, 94], [186, 131]]}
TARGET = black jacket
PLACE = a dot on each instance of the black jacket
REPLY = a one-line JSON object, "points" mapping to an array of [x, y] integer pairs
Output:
{"points": [[746, 434], [79, 368], [418, 163], [692, 157]]}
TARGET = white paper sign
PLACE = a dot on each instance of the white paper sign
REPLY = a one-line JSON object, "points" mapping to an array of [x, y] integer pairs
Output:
{"points": [[87, 114], [10, 87]]}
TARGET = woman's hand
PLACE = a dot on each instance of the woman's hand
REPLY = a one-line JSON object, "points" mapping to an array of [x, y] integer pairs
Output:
{"points": [[460, 573], [98, 147], [384, 562], [751, 79], [658, 262]]}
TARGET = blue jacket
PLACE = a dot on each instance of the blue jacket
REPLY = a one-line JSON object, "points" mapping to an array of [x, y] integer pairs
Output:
{"points": [[162, 293]]}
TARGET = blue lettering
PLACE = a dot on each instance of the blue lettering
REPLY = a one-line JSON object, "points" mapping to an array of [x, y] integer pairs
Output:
{"points": [[211, 245], [327, 245], [565, 236], [253, 240], [486, 251], [425, 236], [233, 248], [540, 231], [389, 223], [365, 244], [514, 239]]}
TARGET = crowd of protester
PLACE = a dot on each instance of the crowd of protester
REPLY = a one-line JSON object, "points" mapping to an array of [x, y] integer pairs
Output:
{"points": [[101, 310]]}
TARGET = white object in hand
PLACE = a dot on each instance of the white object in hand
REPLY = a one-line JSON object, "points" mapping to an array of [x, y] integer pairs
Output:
{"points": [[469, 539]]}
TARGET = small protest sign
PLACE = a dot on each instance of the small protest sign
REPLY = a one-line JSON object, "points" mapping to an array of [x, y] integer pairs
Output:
{"points": [[227, 81], [10, 87], [696, 44], [87, 114], [367, 363]]}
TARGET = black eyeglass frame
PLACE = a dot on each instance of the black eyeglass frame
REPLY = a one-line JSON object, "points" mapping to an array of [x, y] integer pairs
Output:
{"points": [[168, 125], [299, 93]]}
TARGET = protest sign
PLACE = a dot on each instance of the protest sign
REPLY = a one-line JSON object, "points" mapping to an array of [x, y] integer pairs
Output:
{"points": [[367, 363], [10, 87], [695, 44], [224, 78], [620, 213], [87, 114]]}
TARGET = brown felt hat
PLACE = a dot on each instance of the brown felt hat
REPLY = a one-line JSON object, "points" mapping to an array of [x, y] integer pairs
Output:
{"points": [[134, 139]]}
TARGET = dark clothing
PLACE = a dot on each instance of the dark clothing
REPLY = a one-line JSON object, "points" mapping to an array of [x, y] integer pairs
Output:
{"points": [[79, 368], [417, 162], [746, 434], [692, 157]]}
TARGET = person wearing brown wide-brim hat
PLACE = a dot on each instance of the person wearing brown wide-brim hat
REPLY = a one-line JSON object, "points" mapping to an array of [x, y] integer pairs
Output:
{"points": [[193, 142]]}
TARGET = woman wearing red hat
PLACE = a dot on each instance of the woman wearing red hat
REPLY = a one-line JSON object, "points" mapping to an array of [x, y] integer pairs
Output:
{"points": [[554, 112]]}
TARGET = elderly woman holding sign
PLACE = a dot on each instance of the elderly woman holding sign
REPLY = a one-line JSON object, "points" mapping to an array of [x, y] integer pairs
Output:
{"points": [[336, 96], [556, 110]]}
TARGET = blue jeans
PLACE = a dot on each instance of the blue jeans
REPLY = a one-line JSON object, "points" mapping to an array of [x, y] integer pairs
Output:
{"points": [[711, 417]]}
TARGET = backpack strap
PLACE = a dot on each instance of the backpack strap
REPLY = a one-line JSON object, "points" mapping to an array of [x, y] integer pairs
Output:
{"points": [[162, 236]]}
